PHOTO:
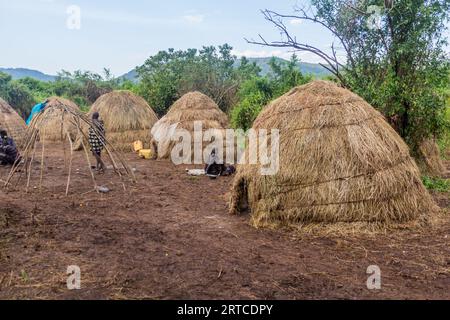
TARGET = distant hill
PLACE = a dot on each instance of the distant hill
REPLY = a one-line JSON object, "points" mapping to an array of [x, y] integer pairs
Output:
{"points": [[314, 69], [305, 67], [132, 75], [21, 73]]}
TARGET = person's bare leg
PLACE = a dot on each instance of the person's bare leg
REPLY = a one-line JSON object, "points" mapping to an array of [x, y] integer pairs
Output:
{"points": [[100, 163]]}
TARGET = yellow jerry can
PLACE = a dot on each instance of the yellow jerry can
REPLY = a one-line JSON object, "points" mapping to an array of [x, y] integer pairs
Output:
{"points": [[138, 146], [145, 153]]}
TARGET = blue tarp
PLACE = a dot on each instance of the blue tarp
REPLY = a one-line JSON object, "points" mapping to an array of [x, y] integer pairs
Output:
{"points": [[36, 109]]}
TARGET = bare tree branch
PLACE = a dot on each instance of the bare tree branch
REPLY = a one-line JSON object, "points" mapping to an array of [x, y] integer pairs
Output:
{"points": [[331, 60]]}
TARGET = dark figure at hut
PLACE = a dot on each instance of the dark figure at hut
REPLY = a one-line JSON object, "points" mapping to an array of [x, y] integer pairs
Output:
{"points": [[214, 167], [97, 140], [8, 150], [229, 171]]}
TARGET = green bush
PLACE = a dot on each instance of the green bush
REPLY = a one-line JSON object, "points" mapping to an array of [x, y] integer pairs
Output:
{"points": [[245, 113], [16, 94], [256, 92], [436, 184]]}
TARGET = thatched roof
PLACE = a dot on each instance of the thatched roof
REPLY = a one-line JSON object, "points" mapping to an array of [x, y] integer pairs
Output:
{"points": [[429, 158], [12, 122], [52, 127], [193, 106], [340, 161], [127, 118]]}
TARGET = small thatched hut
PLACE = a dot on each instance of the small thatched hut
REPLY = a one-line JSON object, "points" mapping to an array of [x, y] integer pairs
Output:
{"points": [[52, 127], [127, 118], [340, 162], [429, 158], [190, 108], [12, 122]]}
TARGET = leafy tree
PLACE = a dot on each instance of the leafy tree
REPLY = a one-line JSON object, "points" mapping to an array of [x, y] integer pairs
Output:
{"points": [[254, 94], [82, 87], [395, 60], [160, 77], [287, 76], [168, 75], [247, 70], [85, 85], [257, 92], [5, 79], [16, 94]]}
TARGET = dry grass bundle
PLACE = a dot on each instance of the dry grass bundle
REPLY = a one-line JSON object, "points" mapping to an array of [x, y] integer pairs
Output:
{"points": [[340, 162], [192, 107], [127, 118], [429, 158], [69, 119], [12, 122], [51, 124]]}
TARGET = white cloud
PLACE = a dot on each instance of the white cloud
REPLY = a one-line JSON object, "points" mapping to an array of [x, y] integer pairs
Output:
{"points": [[296, 22], [304, 56], [194, 18]]}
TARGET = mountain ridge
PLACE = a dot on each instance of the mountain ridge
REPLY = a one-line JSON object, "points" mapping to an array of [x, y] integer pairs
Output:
{"points": [[20, 73], [305, 67], [314, 69]]}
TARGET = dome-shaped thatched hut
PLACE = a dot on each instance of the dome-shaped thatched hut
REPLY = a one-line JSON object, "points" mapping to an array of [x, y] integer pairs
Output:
{"points": [[12, 122], [190, 108], [52, 127], [127, 117], [340, 162]]}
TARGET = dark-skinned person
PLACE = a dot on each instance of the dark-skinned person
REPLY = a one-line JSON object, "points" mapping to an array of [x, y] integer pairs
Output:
{"points": [[97, 140], [8, 149]]}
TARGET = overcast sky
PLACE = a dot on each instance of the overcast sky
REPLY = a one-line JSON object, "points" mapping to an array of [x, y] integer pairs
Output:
{"points": [[120, 35]]}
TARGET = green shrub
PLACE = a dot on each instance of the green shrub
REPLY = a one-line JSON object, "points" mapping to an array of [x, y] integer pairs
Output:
{"points": [[436, 184], [245, 113]]}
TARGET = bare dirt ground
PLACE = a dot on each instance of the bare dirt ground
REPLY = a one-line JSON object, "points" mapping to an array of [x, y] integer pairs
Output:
{"points": [[170, 237]]}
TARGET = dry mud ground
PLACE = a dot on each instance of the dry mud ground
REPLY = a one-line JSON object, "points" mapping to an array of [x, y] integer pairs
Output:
{"points": [[170, 237]]}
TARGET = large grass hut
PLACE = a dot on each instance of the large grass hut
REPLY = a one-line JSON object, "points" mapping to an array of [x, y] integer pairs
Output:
{"points": [[340, 162], [12, 122], [53, 126], [190, 108], [127, 117]]}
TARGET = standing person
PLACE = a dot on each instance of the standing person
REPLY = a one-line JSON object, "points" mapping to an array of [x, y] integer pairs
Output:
{"points": [[97, 140], [8, 150]]}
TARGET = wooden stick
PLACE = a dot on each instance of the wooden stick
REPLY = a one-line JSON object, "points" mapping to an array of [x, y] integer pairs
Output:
{"points": [[42, 160], [30, 167], [101, 137], [62, 138], [70, 164], [15, 167], [90, 166]]}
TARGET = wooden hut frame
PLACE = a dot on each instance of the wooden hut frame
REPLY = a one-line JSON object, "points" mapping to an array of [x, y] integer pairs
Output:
{"points": [[69, 116]]}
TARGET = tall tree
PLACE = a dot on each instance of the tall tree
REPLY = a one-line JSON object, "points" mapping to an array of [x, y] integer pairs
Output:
{"points": [[168, 75], [394, 55], [16, 94]]}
